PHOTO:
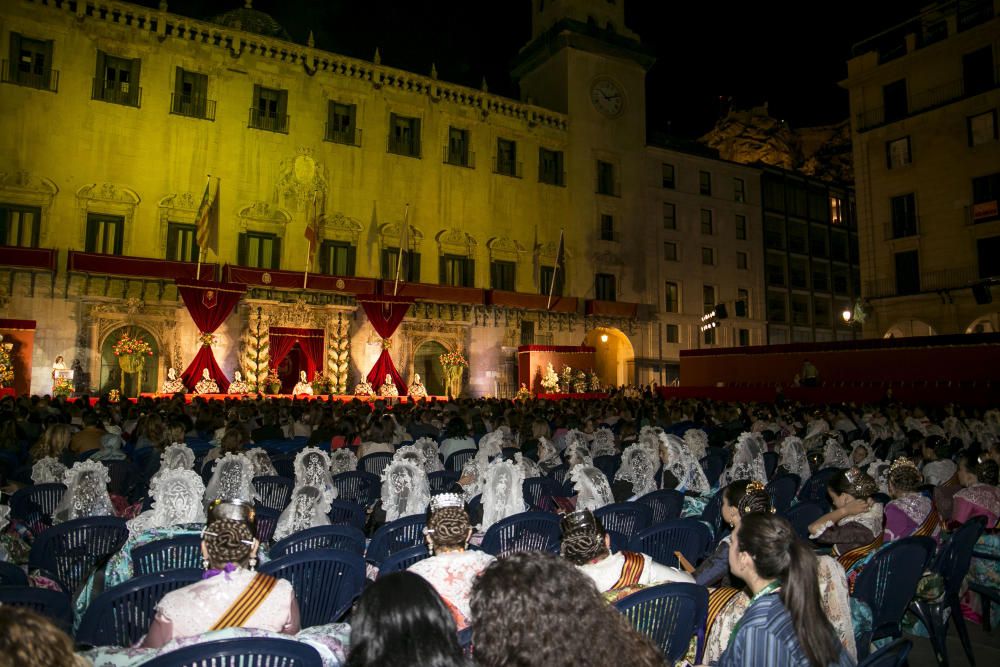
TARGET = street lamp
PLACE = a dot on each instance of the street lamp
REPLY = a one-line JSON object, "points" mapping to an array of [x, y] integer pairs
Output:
{"points": [[604, 338], [847, 315]]}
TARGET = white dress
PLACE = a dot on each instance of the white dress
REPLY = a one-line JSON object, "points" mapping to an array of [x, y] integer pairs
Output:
{"points": [[452, 575], [606, 573]]}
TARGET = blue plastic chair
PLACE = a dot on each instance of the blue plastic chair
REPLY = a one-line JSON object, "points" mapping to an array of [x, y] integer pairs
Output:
{"points": [[284, 465], [123, 477], [814, 488], [669, 614], [121, 616], [343, 538], [618, 541], [712, 514], [358, 486], [273, 492], [71, 550], [527, 531], [465, 641], [56, 606], [12, 575], [243, 651], [375, 464], [691, 537], [664, 504], [560, 473], [608, 464], [713, 465], [396, 536], [345, 512], [770, 464], [535, 488], [267, 521], [625, 518], [887, 584], [34, 505], [173, 553], [326, 582], [442, 480], [891, 655], [402, 560], [457, 460], [782, 491], [802, 516]]}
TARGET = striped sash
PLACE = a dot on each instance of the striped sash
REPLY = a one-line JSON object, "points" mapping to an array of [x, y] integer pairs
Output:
{"points": [[718, 600], [247, 602], [851, 558], [952, 481], [631, 570], [929, 525]]}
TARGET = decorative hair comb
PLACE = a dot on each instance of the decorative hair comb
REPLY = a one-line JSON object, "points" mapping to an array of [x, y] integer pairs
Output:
{"points": [[902, 462], [235, 510], [578, 520], [754, 486], [443, 500]]}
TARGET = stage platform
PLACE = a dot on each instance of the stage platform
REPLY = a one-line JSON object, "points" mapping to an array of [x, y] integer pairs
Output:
{"points": [[587, 396], [296, 397]]}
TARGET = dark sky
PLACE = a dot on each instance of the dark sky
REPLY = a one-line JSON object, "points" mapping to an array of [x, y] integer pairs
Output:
{"points": [[790, 54]]}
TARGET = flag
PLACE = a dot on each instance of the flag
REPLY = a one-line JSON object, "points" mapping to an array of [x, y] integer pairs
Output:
{"points": [[312, 225], [208, 217], [404, 243], [373, 234], [560, 266]]}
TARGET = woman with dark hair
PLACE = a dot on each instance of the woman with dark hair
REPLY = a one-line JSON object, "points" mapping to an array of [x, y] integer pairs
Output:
{"points": [[856, 520], [455, 438], [938, 467], [533, 608], [979, 495], [739, 499], [400, 621], [785, 623], [910, 512]]}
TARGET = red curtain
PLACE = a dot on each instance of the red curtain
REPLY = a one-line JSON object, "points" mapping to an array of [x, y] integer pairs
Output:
{"points": [[283, 339], [385, 313], [209, 303]]}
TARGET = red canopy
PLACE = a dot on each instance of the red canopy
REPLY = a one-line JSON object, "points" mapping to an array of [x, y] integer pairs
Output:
{"points": [[386, 313], [209, 303]]}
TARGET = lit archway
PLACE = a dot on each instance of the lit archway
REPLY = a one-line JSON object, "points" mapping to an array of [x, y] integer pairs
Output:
{"points": [[111, 372], [908, 328], [985, 324], [426, 362], [613, 356]]}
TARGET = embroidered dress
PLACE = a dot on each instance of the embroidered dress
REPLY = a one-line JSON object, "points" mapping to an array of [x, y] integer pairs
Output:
{"points": [[977, 500], [608, 572], [904, 515], [207, 386], [851, 532], [939, 472], [452, 574]]}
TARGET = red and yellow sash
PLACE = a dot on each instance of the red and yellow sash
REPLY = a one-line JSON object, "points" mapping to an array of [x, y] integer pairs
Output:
{"points": [[930, 524], [952, 481], [631, 570], [851, 558], [718, 600], [247, 602]]}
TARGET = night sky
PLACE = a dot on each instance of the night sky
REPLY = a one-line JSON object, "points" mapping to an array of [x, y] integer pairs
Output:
{"points": [[792, 55]]}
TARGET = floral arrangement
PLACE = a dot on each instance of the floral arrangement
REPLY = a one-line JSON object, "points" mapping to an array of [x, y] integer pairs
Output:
{"points": [[206, 339], [131, 346], [523, 394], [453, 360], [62, 387], [580, 382], [595, 382], [550, 380], [567, 378], [114, 396], [273, 382], [6, 365], [320, 384]]}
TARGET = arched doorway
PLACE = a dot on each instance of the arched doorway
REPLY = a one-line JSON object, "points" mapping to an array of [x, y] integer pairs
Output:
{"points": [[426, 362], [111, 372], [907, 328], [985, 324], [613, 356], [289, 368]]}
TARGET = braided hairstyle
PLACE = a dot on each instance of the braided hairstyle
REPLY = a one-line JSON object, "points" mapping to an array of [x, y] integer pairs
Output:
{"points": [[582, 540], [904, 476], [228, 541], [748, 496], [448, 528], [854, 483]]}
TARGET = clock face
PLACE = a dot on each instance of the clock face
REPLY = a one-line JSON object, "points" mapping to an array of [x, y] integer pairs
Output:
{"points": [[607, 97]]}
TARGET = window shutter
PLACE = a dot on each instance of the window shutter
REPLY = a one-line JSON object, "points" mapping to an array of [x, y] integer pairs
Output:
{"points": [[494, 275], [353, 114], [178, 88], [352, 253], [413, 271], [443, 272], [15, 54], [172, 233], [282, 124], [416, 137], [91, 235], [276, 253], [119, 235], [101, 67], [135, 81], [3, 226], [241, 250], [469, 273]]}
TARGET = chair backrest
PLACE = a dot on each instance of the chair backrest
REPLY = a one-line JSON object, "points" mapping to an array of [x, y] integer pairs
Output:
{"points": [[954, 558], [814, 488], [123, 476], [326, 582], [713, 465], [346, 512], [891, 655], [343, 538], [284, 465], [625, 518], [273, 492], [12, 575], [689, 536], [358, 486], [396, 536], [535, 488], [770, 463], [559, 473], [375, 463], [442, 480], [669, 614], [888, 582], [802, 516], [54, 605], [608, 464], [267, 521], [664, 504], [35, 504], [121, 616], [70, 550], [456, 460], [527, 531], [172, 553], [403, 559], [782, 491], [712, 514], [241, 652], [618, 541]]}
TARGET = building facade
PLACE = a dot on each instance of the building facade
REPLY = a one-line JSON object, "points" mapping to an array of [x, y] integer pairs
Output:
{"points": [[924, 97], [114, 115]]}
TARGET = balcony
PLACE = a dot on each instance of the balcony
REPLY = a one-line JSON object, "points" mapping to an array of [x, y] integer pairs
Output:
{"points": [[293, 280], [520, 300], [458, 157], [192, 106], [621, 309], [403, 146], [48, 80], [507, 167], [930, 282], [901, 229], [117, 93], [348, 136], [267, 121], [608, 188], [34, 259], [92, 263], [438, 293]]}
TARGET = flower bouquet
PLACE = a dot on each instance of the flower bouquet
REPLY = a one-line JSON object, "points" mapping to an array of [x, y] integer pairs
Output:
{"points": [[114, 396], [523, 394], [206, 339], [131, 352], [454, 365], [273, 382], [6, 365], [550, 380], [62, 387], [580, 382], [320, 384], [567, 378]]}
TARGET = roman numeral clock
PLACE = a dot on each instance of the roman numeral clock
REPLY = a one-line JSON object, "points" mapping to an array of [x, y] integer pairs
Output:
{"points": [[607, 97]]}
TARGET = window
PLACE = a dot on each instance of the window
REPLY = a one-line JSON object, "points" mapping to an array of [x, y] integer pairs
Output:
{"points": [[800, 309], [669, 251], [404, 135], [104, 233], [840, 281], [182, 242], [897, 152], [894, 100], [742, 261], [259, 250], [270, 110], [985, 197], [673, 333], [836, 210], [19, 225], [798, 272], [977, 71], [818, 246], [190, 96], [457, 271], [982, 128], [742, 302], [709, 336], [604, 287], [741, 228], [907, 272], [774, 193], [821, 312], [31, 63], [506, 159], [117, 80], [820, 277], [739, 190], [838, 246], [708, 256], [337, 258], [904, 216], [457, 150], [672, 292], [606, 179], [502, 275], [817, 205], [798, 237], [342, 123], [410, 271], [545, 281], [550, 167], [988, 250], [774, 270], [607, 227], [707, 224], [668, 175], [798, 200], [744, 336], [527, 332], [708, 298], [704, 183], [669, 216], [774, 233], [777, 307]]}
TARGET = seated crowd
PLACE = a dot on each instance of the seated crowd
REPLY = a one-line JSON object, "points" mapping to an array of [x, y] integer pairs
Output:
{"points": [[253, 479]]}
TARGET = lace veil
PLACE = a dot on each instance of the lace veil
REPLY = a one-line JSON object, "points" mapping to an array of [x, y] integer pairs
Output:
{"points": [[834, 454], [342, 460], [432, 455], [312, 468], [410, 454], [869, 456], [684, 466], [502, 492], [86, 493], [405, 490], [792, 456], [528, 467], [48, 471], [177, 498], [547, 452], [638, 468], [576, 454], [697, 442], [592, 488], [232, 479], [604, 443], [308, 508], [262, 465], [748, 461]]}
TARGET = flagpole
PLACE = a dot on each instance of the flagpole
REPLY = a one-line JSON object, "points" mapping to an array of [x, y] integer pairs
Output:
{"points": [[404, 237], [201, 251], [309, 253], [555, 271]]}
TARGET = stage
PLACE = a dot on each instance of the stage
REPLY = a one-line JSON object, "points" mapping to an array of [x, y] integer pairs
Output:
{"points": [[329, 398]]}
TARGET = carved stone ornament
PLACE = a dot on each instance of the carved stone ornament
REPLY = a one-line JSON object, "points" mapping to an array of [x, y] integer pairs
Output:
{"points": [[108, 192], [263, 216], [503, 248], [549, 250], [608, 259], [455, 241], [390, 235], [338, 227], [299, 177]]}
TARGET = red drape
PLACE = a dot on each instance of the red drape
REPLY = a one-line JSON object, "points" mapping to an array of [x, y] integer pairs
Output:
{"points": [[209, 303], [385, 313], [283, 339]]}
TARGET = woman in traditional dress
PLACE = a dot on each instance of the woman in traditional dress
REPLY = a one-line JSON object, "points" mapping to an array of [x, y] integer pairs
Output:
{"points": [[302, 386], [979, 495], [637, 474], [206, 385], [592, 489], [792, 459], [855, 524], [177, 499], [738, 499], [748, 461], [910, 512], [312, 468], [417, 388], [173, 384], [86, 493], [388, 388], [238, 386], [405, 490], [308, 508], [502, 492]]}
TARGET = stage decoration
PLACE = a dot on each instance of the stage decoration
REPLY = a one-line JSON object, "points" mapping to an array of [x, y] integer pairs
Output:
{"points": [[131, 352], [114, 396], [566, 378], [208, 340], [550, 381], [320, 385], [386, 313], [283, 339], [256, 352], [338, 361], [580, 383], [62, 387], [6, 364], [523, 394], [454, 365], [595, 382], [209, 304], [273, 382]]}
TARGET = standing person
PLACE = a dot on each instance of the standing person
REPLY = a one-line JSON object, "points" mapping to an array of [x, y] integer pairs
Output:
{"points": [[808, 376]]}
